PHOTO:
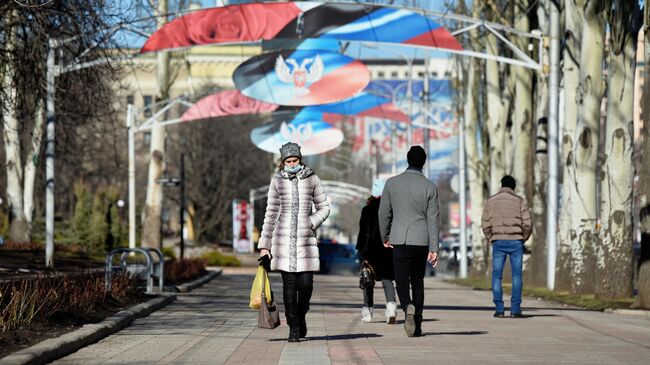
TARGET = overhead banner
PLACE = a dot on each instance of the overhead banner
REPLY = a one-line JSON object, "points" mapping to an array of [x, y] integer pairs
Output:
{"points": [[232, 102], [313, 135], [225, 103], [254, 22], [301, 77]]}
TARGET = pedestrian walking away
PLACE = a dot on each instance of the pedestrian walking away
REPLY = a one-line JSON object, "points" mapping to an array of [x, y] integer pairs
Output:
{"points": [[507, 225], [408, 221], [371, 249], [289, 233]]}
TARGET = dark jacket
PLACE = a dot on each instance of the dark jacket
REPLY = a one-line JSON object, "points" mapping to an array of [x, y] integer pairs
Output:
{"points": [[370, 245]]}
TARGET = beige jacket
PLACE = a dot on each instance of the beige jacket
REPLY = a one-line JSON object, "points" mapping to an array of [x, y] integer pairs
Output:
{"points": [[506, 217]]}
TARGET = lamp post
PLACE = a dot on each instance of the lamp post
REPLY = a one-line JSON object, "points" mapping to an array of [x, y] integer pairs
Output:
{"points": [[180, 182]]}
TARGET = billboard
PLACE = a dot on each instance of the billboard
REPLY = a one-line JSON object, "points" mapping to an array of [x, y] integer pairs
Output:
{"points": [[241, 233]]}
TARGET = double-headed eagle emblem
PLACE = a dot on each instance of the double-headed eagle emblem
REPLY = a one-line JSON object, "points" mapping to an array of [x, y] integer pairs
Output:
{"points": [[299, 133], [298, 74]]}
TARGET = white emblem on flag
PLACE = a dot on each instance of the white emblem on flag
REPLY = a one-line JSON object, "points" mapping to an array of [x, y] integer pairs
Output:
{"points": [[298, 134], [298, 74]]}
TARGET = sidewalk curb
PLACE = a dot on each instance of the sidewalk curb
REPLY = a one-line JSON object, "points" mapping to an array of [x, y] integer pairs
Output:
{"points": [[58, 347], [55, 348], [630, 312], [184, 288]]}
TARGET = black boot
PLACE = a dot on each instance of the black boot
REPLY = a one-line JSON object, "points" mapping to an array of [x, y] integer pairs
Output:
{"points": [[305, 288], [291, 313], [418, 325], [302, 326]]}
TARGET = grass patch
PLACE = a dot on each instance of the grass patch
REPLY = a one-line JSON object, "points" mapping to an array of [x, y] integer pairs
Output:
{"points": [[216, 258], [587, 301]]}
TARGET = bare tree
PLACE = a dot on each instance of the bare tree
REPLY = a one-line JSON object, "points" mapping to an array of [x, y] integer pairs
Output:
{"points": [[537, 267], [221, 165], [573, 20], [153, 205], [644, 174], [614, 255], [27, 27], [585, 152]]}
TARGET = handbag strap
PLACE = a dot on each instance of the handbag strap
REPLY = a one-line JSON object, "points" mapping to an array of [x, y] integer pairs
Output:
{"points": [[264, 283]]}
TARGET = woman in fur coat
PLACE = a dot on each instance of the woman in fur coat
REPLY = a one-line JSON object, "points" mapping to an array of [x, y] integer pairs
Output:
{"points": [[289, 233]]}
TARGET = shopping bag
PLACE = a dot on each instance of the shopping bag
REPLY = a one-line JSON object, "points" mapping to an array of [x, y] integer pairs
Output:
{"points": [[260, 284], [269, 315]]}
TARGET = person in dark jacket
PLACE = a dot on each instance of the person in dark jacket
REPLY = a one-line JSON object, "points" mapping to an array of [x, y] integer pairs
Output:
{"points": [[371, 248]]}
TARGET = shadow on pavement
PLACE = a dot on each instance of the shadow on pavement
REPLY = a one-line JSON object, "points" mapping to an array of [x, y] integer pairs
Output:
{"points": [[463, 333], [350, 336]]}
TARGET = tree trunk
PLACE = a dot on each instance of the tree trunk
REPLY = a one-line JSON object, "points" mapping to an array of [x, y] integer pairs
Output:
{"points": [[573, 33], [522, 118], [615, 273], [18, 229], [475, 169], [151, 220], [496, 126], [584, 207], [536, 272], [644, 175], [32, 163]]}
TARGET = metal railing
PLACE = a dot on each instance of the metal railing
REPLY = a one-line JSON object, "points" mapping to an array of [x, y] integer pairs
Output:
{"points": [[124, 265]]}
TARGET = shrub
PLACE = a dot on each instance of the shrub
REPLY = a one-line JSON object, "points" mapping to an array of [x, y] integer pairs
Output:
{"points": [[82, 213], [169, 253], [23, 301], [182, 270], [216, 258]]}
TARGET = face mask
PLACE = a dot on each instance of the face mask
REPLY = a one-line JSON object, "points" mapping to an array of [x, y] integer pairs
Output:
{"points": [[293, 170]]}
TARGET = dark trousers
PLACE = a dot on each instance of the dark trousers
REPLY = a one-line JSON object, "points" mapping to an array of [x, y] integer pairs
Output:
{"points": [[296, 292], [410, 265]]}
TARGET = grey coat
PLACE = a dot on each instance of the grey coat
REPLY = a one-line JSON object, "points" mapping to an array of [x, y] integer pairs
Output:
{"points": [[408, 213], [290, 224]]}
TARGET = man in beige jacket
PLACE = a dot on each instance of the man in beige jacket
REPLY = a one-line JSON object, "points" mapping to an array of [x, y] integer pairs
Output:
{"points": [[506, 224]]}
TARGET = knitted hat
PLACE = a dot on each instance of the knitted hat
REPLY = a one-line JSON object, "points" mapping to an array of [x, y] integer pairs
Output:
{"points": [[416, 156], [290, 150], [378, 187]]}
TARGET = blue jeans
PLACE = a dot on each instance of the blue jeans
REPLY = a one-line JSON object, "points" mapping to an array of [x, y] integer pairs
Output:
{"points": [[515, 249]]}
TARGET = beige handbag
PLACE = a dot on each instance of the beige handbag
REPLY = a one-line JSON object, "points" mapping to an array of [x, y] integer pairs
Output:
{"points": [[269, 315]]}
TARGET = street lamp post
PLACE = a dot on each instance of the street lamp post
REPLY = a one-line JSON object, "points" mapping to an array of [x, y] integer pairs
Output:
{"points": [[180, 182]]}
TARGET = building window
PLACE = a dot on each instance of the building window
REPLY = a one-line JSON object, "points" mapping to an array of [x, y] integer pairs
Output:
{"points": [[434, 75], [421, 74], [393, 75], [381, 75], [406, 75], [147, 103], [447, 74], [129, 99]]}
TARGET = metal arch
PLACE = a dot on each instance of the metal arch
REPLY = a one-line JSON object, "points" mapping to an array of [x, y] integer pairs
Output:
{"points": [[466, 24]]}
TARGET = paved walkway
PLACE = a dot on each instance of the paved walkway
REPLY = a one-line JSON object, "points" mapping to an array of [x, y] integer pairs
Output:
{"points": [[213, 325]]}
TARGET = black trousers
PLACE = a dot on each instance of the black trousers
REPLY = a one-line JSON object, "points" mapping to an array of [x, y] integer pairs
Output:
{"points": [[410, 265], [296, 293]]}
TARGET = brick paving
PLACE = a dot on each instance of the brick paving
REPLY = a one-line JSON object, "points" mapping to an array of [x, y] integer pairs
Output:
{"points": [[213, 325]]}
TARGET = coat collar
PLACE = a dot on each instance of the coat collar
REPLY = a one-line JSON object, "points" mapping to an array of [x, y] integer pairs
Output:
{"points": [[302, 174], [506, 190], [413, 171]]}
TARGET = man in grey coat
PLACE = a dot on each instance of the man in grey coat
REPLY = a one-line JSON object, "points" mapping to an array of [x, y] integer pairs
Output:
{"points": [[408, 222]]}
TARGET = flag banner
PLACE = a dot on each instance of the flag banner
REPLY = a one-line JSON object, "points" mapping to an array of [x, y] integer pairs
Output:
{"points": [[254, 22], [301, 77]]}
